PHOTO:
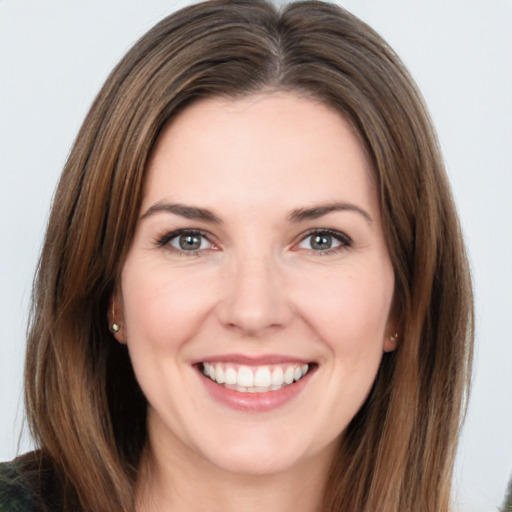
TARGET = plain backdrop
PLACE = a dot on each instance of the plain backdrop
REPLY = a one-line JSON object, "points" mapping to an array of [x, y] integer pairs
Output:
{"points": [[54, 56]]}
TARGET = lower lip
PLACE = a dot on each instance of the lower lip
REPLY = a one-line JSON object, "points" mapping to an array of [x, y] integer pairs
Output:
{"points": [[255, 402]]}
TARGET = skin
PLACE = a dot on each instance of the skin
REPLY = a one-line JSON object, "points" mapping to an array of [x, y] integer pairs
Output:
{"points": [[256, 286]]}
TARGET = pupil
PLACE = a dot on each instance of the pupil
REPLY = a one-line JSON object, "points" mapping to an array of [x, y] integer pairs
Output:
{"points": [[190, 242], [321, 242]]}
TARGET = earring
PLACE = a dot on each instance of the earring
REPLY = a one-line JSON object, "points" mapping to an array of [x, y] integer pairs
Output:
{"points": [[115, 326], [394, 337]]}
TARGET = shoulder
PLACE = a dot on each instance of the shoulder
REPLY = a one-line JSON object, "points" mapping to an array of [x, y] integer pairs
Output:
{"points": [[15, 492], [27, 485]]}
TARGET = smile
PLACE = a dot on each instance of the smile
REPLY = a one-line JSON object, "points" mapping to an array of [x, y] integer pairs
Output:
{"points": [[254, 379]]}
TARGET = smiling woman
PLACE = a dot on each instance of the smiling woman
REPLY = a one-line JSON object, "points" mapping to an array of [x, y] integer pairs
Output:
{"points": [[283, 303], [253, 278]]}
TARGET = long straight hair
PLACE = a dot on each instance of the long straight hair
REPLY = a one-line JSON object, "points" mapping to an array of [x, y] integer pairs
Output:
{"points": [[85, 408]]}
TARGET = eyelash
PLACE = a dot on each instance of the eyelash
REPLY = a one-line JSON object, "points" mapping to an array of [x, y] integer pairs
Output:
{"points": [[344, 241]]}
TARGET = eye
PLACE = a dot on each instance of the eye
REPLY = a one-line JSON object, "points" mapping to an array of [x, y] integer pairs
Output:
{"points": [[325, 241], [186, 241]]}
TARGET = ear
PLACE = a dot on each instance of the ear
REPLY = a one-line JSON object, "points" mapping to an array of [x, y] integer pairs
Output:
{"points": [[393, 327], [115, 317], [390, 340]]}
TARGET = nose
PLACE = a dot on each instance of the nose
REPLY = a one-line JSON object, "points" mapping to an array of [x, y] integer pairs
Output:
{"points": [[254, 300]]}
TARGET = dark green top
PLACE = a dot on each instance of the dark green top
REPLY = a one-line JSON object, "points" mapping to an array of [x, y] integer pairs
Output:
{"points": [[15, 492], [27, 485]]}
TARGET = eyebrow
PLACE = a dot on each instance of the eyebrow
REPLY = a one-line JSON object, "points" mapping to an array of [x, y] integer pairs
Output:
{"points": [[318, 211], [298, 215], [188, 212]]}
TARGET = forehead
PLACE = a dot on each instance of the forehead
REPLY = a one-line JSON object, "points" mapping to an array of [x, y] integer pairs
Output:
{"points": [[266, 147]]}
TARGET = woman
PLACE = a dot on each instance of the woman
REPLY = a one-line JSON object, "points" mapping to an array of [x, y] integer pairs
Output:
{"points": [[253, 277]]}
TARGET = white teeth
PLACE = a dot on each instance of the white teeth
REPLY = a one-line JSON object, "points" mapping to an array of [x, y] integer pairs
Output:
{"points": [[230, 376], [259, 389], [245, 377], [262, 377], [219, 374], [277, 376], [254, 379]]}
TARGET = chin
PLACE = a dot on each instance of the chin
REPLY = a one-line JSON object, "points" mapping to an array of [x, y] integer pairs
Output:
{"points": [[255, 461], [264, 453]]}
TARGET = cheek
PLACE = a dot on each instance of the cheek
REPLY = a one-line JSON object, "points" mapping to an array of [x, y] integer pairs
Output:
{"points": [[350, 311], [162, 308], [348, 314]]}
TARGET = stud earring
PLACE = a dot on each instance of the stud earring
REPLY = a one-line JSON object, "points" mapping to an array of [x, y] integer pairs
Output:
{"points": [[115, 326], [394, 337]]}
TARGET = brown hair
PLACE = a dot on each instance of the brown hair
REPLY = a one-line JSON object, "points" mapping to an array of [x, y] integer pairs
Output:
{"points": [[84, 406]]}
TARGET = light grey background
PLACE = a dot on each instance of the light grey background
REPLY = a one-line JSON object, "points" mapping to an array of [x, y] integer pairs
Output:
{"points": [[54, 56]]}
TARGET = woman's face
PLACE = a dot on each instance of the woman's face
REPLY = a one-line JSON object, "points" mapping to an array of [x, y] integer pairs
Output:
{"points": [[259, 258]]}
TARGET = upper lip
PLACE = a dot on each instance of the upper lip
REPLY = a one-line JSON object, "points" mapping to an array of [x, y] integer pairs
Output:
{"points": [[253, 360]]}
